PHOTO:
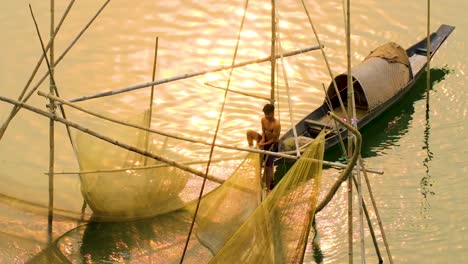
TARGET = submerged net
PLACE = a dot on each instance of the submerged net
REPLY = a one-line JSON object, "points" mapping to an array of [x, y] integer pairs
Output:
{"points": [[232, 224]]}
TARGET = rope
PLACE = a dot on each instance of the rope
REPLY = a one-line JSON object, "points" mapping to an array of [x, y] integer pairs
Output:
{"points": [[298, 153], [326, 60]]}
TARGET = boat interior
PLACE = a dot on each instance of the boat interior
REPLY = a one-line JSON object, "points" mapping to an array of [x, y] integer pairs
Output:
{"points": [[324, 121]]}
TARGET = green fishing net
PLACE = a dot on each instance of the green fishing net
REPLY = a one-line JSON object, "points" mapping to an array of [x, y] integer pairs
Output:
{"points": [[121, 185], [232, 225]]}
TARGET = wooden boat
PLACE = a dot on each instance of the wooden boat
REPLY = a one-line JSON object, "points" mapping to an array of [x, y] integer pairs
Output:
{"points": [[379, 82]]}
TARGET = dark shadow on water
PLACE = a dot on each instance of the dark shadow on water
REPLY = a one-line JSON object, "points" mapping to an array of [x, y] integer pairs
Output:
{"points": [[317, 253], [111, 241], [426, 181], [119, 242]]}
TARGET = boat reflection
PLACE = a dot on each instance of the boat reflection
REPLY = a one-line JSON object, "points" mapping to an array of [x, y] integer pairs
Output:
{"points": [[158, 239]]}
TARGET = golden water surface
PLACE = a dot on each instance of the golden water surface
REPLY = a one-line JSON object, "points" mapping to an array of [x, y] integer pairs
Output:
{"points": [[421, 196]]}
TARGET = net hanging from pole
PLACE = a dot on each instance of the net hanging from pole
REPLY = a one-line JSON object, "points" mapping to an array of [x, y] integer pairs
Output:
{"points": [[232, 224]]}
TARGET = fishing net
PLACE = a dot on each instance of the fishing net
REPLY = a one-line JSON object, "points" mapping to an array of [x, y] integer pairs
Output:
{"points": [[119, 184], [232, 224], [277, 231], [161, 239]]}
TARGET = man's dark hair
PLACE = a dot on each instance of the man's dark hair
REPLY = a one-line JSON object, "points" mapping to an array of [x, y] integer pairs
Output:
{"points": [[268, 109]]}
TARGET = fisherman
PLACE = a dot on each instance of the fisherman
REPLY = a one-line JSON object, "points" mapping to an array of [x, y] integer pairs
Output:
{"points": [[268, 140]]}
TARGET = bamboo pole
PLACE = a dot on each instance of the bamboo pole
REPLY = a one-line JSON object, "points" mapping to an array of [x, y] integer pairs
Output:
{"points": [[52, 88], [153, 78], [51, 121], [51, 108], [371, 229], [350, 219], [296, 142], [326, 60], [33, 74], [369, 224], [371, 195], [330, 106], [273, 51], [216, 132], [110, 140], [187, 75], [428, 53], [39, 62], [343, 176], [276, 154], [350, 142], [239, 92], [353, 121], [152, 95], [15, 110], [140, 167]]}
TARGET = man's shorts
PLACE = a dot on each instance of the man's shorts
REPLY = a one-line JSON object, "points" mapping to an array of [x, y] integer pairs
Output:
{"points": [[270, 158]]}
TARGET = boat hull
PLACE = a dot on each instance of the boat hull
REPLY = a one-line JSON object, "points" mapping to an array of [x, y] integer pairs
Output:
{"points": [[417, 59]]}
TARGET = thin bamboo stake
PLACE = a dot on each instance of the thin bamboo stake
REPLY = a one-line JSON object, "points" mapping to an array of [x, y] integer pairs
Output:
{"points": [[153, 78], [51, 121], [33, 74], [139, 167], [353, 121], [326, 60], [350, 142], [152, 95], [369, 224], [39, 62], [350, 220], [296, 142], [276, 154], [15, 110], [216, 132], [371, 229], [186, 76], [428, 53], [51, 107], [239, 92], [53, 87], [273, 51], [371, 195], [50, 46], [278, 101], [337, 130], [343, 176], [110, 140]]}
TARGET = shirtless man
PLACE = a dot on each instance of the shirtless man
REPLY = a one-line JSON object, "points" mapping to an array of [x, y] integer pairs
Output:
{"points": [[268, 140]]}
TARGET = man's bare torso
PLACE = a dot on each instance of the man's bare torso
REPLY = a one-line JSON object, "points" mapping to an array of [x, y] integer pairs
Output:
{"points": [[271, 129]]}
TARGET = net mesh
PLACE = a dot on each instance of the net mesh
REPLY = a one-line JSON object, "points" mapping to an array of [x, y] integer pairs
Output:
{"points": [[277, 230], [232, 225], [139, 191]]}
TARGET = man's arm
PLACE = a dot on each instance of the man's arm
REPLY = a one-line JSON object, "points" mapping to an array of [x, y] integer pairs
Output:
{"points": [[275, 135], [261, 143]]}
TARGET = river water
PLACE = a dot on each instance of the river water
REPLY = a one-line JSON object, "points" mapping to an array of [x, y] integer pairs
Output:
{"points": [[421, 197]]}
